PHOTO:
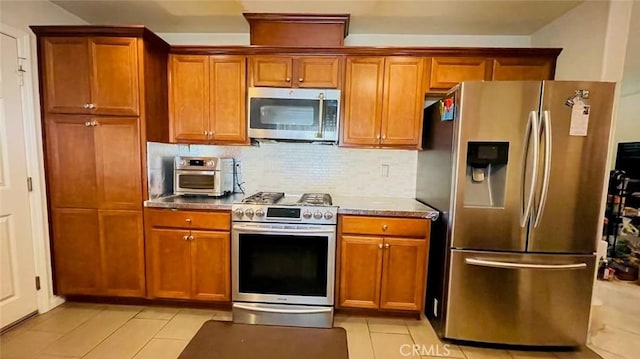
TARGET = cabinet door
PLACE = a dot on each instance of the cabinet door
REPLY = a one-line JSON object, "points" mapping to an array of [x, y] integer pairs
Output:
{"points": [[228, 98], [118, 164], [114, 75], [271, 71], [168, 263], [523, 68], [360, 270], [76, 251], [189, 97], [122, 252], [210, 266], [446, 72], [66, 74], [71, 161], [318, 72], [403, 101], [403, 274], [363, 101]]}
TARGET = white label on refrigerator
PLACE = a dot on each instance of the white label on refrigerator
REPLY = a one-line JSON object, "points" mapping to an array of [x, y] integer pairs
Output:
{"points": [[579, 119]]}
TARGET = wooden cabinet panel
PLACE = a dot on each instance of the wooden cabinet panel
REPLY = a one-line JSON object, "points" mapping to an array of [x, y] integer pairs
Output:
{"points": [[318, 71], [71, 161], [76, 250], [220, 221], [122, 252], [523, 68], [403, 274], [360, 270], [168, 263], [363, 100], [403, 101], [118, 165], [211, 266], [387, 226], [271, 71], [446, 72], [114, 73], [228, 98], [67, 86], [189, 97]]}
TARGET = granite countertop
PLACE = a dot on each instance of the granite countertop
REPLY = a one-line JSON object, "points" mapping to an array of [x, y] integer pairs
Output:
{"points": [[365, 206], [384, 206]]}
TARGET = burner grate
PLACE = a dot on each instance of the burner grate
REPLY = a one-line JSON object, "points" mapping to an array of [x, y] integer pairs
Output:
{"points": [[264, 198]]}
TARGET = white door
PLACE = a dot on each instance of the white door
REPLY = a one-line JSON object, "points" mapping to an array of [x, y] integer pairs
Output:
{"points": [[18, 297]]}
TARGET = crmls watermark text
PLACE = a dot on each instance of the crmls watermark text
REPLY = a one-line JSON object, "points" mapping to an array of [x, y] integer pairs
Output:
{"points": [[420, 350]]}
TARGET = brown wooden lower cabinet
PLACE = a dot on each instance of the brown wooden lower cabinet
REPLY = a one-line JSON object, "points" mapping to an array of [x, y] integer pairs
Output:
{"points": [[98, 252], [382, 272], [184, 262]]}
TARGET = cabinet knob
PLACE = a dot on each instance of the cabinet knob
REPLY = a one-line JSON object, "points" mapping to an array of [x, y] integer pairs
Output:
{"points": [[86, 106], [88, 123], [185, 237], [94, 123], [387, 245], [300, 79], [288, 79], [189, 220], [92, 106], [191, 237], [384, 137], [380, 245], [385, 227]]}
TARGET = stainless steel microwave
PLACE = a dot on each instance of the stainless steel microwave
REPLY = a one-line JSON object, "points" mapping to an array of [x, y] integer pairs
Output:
{"points": [[294, 114]]}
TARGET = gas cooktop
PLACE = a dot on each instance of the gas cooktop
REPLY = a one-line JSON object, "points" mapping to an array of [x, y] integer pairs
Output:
{"points": [[314, 208]]}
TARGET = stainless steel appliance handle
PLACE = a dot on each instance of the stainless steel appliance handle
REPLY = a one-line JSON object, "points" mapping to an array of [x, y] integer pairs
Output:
{"points": [[320, 115], [495, 264], [546, 128], [531, 132], [278, 230], [286, 311]]}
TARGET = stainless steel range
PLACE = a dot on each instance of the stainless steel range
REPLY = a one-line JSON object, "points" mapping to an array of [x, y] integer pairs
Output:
{"points": [[283, 259]]}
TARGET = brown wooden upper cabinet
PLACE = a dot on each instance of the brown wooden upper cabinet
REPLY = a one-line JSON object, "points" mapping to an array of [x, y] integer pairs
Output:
{"points": [[383, 101], [295, 71], [91, 75], [207, 99], [446, 72], [523, 68]]}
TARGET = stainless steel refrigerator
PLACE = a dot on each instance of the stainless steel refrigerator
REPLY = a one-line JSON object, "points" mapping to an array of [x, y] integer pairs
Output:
{"points": [[517, 170]]}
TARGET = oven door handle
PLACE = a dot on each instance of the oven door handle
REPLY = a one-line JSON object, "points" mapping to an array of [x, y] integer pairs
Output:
{"points": [[284, 311], [278, 230]]}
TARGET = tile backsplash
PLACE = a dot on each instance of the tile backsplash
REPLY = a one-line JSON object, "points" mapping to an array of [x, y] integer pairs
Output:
{"points": [[304, 167]]}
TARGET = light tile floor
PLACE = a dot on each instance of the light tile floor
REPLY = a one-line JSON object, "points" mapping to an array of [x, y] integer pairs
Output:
{"points": [[81, 330], [618, 335]]}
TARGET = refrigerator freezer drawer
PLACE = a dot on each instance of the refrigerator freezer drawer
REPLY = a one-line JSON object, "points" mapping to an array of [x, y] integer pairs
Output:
{"points": [[520, 299]]}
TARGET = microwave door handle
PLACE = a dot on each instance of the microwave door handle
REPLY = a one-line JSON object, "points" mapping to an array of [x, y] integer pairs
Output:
{"points": [[320, 115]]}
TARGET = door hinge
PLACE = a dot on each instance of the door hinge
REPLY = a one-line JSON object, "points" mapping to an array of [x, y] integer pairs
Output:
{"points": [[29, 184], [37, 283]]}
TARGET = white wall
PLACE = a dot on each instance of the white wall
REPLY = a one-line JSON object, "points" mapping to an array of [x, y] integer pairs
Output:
{"points": [[628, 126], [362, 40]]}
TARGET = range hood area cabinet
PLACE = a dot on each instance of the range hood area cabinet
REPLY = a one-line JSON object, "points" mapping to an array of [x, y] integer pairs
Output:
{"points": [[296, 71], [207, 99], [383, 101], [103, 95]]}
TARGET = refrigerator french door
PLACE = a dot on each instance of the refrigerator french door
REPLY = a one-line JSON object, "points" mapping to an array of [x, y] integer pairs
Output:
{"points": [[523, 212]]}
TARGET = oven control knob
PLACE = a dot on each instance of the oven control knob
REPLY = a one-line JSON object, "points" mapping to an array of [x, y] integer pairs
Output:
{"points": [[307, 215], [248, 212], [328, 215], [317, 215], [259, 212], [239, 212], [184, 162], [210, 163]]}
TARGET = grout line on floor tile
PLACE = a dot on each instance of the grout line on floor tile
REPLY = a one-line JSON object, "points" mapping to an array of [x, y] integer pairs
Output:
{"points": [[373, 351]]}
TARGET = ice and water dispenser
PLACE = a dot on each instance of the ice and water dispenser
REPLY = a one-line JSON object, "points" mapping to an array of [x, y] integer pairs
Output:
{"points": [[486, 174]]}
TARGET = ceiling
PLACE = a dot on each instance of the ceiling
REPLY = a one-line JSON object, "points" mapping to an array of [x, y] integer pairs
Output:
{"points": [[433, 17]]}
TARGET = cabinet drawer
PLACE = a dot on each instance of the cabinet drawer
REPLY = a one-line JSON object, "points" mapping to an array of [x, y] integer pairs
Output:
{"points": [[386, 226], [220, 221]]}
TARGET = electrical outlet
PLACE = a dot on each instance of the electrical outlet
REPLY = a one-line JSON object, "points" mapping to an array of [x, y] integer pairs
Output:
{"points": [[384, 170], [238, 165]]}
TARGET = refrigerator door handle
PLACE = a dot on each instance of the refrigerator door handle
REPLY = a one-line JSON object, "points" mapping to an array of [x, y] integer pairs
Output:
{"points": [[511, 265], [531, 132], [546, 130]]}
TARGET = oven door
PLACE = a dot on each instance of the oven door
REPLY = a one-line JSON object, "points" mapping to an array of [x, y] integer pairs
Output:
{"points": [[294, 114], [283, 263], [195, 182]]}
